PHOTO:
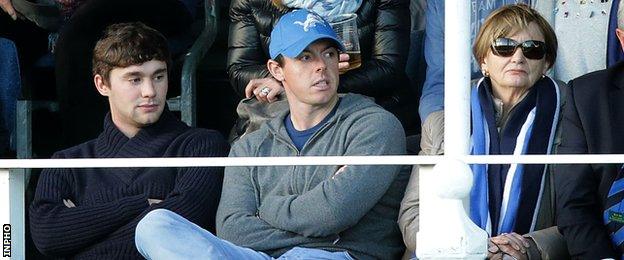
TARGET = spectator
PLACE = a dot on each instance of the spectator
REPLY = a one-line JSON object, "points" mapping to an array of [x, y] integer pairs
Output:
{"points": [[383, 32], [9, 89], [515, 110], [616, 26], [75, 26], [22, 44], [578, 55], [588, 196], [328, 212], [88, 213], [432, 98], [79, 105], [414, 69]]}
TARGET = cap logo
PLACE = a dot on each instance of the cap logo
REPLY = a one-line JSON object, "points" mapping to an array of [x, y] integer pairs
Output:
{"points": [[311, 21]]}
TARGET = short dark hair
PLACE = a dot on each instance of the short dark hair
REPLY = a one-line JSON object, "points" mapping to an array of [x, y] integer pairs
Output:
{"points": [[280, 60], [127, 44]]}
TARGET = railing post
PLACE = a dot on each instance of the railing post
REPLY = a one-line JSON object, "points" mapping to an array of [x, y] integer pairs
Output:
{"points": [[17, 190], [16, 181], [446, 231], [457, 78], [5, 209]]}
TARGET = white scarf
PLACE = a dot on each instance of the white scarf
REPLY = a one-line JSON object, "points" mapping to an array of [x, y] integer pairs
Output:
{"points": [[325, 8]]}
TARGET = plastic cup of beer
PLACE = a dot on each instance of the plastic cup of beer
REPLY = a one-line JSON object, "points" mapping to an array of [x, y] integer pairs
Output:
{"points": [[345, 26]]}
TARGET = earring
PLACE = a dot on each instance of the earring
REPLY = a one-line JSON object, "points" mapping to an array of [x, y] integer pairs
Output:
{"points": [[485, 73]]}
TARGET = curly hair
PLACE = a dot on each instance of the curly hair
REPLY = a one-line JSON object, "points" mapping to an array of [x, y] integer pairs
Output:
{"points": [[126, 44]]}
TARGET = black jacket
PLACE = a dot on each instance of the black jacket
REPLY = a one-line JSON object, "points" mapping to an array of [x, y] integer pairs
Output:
{"points": [[592, 124], [384, 41]]}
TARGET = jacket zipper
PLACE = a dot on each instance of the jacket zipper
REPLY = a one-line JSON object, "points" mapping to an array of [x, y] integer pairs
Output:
{"points": [[292, 182]]}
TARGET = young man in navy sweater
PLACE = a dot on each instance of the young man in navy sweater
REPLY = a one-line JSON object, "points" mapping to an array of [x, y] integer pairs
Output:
{"points": [[88, 213]]}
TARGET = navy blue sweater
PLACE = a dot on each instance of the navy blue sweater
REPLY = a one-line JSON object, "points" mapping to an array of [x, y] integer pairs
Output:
{"points": [[110, 201]]}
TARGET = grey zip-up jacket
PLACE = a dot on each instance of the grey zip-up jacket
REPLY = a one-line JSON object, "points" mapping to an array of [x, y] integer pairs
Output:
{"points": [[275, 208]]}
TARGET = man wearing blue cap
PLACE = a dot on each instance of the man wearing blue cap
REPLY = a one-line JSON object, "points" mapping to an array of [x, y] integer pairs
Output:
{"points": [[303, 212]]}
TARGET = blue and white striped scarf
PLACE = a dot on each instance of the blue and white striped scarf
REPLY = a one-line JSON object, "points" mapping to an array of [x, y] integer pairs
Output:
{"points": [[530, 130], [325, 8]]}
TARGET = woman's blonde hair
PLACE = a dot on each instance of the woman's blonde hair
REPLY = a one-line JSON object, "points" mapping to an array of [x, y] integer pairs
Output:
{"points": [[508, 20]]}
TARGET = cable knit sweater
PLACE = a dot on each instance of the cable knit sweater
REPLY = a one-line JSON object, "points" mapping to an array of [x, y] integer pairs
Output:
{"points": [[110, 202]]}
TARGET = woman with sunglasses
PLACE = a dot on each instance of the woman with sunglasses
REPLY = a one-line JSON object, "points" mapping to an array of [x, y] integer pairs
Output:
{"points": [[515, 110]]}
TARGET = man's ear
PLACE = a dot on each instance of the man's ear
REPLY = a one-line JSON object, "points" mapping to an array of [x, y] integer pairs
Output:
{"points": [[276, 70], [101, 85]]}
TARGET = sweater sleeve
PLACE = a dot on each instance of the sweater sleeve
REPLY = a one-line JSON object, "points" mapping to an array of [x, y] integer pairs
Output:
{"points": [[237, 219], [432, 98], [197, 190], [246, 60], [341, 201], [195, 195], [386, 68], [58, 230], [409, 212]]}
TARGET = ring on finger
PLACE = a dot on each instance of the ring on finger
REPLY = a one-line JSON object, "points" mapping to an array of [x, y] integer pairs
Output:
{"points": [[265, 90]]}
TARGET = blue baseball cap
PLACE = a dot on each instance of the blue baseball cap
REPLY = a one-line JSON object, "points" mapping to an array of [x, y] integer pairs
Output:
{"points": [[296, 30]]}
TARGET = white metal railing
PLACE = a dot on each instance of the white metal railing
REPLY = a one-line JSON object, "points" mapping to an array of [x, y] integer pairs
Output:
{"points": [[460, 239], [457, 77], [12, 185], [307, 160]]}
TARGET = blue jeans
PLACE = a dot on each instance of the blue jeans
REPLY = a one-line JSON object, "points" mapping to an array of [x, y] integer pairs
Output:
{"points": [[9, 90], [163, 234]]}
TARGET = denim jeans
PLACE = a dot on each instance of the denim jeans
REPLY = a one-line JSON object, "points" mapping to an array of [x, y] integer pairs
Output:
{"points": [[163, 234], [9, 90]]}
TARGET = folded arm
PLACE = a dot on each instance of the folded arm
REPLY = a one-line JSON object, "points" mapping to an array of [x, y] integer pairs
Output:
{"points": [[237, 218], [61, 230], [195, 195], [340, 202]]}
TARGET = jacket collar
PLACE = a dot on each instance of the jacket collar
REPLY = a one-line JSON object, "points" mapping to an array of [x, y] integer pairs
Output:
{"points": [[151, 141], [349, 103], [616, 72]]}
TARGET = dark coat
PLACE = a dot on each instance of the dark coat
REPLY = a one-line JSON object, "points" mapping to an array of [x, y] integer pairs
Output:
{"points": [[591, 124], [384, 41]]}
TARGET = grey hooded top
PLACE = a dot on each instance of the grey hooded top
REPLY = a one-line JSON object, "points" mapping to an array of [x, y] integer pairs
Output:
{"points": [[275, 208]]}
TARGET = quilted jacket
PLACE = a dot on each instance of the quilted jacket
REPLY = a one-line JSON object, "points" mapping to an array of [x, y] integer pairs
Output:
{"points": [[384, 41]]}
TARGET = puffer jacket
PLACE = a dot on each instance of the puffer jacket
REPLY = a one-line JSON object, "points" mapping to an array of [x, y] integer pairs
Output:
{"points": [[384, 36]]}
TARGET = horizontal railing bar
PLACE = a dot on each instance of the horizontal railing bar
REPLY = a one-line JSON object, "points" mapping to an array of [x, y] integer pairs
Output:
{"points": [[306, 160]]}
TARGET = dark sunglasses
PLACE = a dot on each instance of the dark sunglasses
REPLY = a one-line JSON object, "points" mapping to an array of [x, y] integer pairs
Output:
{"points": [[531, 49]]}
